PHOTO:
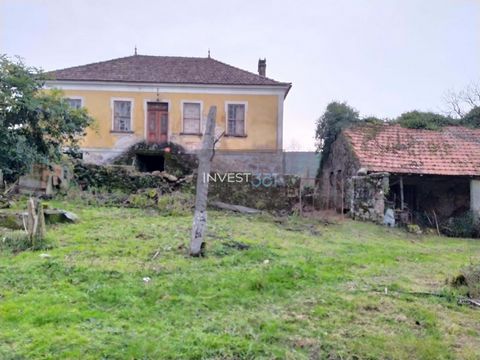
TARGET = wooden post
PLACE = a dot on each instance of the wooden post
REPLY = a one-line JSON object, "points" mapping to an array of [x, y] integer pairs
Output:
{"points": [[300, 196], [35, 221], [402, 206], [343, 196], [197, 243]]}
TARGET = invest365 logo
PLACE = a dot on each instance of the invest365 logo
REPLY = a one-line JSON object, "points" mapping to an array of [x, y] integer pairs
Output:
{"points": [[257, 180]]}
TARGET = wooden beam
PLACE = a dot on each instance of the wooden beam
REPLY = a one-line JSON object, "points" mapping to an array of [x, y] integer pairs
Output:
{"points": [[402, 204]]}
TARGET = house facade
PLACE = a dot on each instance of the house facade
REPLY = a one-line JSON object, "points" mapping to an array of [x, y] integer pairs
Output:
{"points": [[418, 174], [162, 100]]}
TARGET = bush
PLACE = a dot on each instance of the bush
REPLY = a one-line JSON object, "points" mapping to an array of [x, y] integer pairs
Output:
{"points": [[465, 225], [176, 204], [472, 118], [469, 281], [424, 120]]}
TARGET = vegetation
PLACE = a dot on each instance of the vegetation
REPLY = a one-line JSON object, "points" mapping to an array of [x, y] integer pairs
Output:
{"points": [[35, 126], [463, 225], [119, 286], [424, 120], [472, 118], [336, 117]]}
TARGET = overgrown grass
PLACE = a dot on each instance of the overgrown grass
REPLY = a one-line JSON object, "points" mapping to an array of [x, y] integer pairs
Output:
{"points": [[119, 286]]}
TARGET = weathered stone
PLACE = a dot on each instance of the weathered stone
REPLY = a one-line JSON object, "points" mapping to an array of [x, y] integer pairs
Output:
{"points": [[169, 177], [362, 172], [53, 216], [368, 197]]}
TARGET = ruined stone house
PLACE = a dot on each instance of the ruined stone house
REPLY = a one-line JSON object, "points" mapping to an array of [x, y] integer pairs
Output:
{"points": [[414, 172]]}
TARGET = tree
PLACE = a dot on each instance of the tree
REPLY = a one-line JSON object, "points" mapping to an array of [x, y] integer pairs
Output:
{"points": [[336, 117], [472, 118], [459, 103], [36, 126]]}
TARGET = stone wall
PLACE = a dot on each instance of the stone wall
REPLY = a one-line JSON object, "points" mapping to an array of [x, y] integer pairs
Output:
{"points": [[335, 177], [270, 162], [368, 196], [255, 161], [119, 177], [301, 163], [263, 193]]}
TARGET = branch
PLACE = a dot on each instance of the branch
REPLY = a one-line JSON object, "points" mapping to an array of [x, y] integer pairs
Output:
{"points": [[215, 143]]}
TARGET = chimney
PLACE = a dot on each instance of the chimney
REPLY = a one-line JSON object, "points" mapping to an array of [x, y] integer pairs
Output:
{"points": [[262, 67]]}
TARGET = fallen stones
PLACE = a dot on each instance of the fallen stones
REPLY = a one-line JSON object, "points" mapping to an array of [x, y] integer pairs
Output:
{"points": [[16, 220]]}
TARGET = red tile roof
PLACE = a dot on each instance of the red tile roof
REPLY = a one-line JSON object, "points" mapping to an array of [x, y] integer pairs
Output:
{"points": [[454, 150], [164, 70]]}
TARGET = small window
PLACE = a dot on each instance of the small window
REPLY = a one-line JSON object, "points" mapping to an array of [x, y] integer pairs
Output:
{"points": [[191, 118], [236, 120], [74, 103], [122, 115]]}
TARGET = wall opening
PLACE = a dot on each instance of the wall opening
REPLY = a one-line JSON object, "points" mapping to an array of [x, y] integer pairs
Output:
{"points": [[150, 162]]}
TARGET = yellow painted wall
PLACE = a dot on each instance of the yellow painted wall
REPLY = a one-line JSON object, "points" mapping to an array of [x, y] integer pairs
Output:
{"points": [[261, 119]]}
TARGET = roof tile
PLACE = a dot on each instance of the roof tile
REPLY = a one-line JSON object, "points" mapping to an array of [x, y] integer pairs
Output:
{"points": [[454, 150], [164, 70]]}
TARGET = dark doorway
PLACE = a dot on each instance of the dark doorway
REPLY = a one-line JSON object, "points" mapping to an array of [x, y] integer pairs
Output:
{"points": [[149, 163]]}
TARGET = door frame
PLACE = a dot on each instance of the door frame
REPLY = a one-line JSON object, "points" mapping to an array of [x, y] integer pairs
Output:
{"points": [[145, 116]]}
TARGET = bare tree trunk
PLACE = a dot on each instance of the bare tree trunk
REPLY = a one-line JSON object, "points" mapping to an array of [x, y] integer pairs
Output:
{"points": [[197, 243]]}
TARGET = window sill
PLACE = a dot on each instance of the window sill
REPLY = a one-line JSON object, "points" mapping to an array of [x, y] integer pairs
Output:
{"points": [[191, 134], [121, 132], [238, 136]]}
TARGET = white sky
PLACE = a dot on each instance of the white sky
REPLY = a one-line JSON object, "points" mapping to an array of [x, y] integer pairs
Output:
{"points": [[383, 57]]}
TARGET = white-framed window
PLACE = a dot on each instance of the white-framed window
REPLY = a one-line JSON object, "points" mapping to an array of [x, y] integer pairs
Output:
{"points": [[236, 117], [192, 117], [122, 115], [74, 102]]}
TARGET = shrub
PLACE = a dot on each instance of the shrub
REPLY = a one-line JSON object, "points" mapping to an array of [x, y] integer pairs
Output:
{"points": [[176, 204], [472, 118], [464, 225], [469, 281], [424, 120]]}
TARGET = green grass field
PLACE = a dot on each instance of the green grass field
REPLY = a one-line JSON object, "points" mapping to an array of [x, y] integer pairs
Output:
{"points": [[303, 290]]}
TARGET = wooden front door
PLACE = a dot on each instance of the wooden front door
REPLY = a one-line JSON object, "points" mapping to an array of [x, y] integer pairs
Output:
{"points": [[157, 122]]}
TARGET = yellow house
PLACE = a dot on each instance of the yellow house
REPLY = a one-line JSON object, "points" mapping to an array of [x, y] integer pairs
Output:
{"points": [[161, 100]]}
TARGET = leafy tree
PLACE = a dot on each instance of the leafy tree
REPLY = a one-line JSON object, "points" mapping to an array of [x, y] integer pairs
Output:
{"points": [[336, 117], [424, 120], [472, 118], [36, 126]]}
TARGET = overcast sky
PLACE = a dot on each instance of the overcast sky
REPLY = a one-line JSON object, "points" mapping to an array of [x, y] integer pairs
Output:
{"points": [[383, 57]]}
